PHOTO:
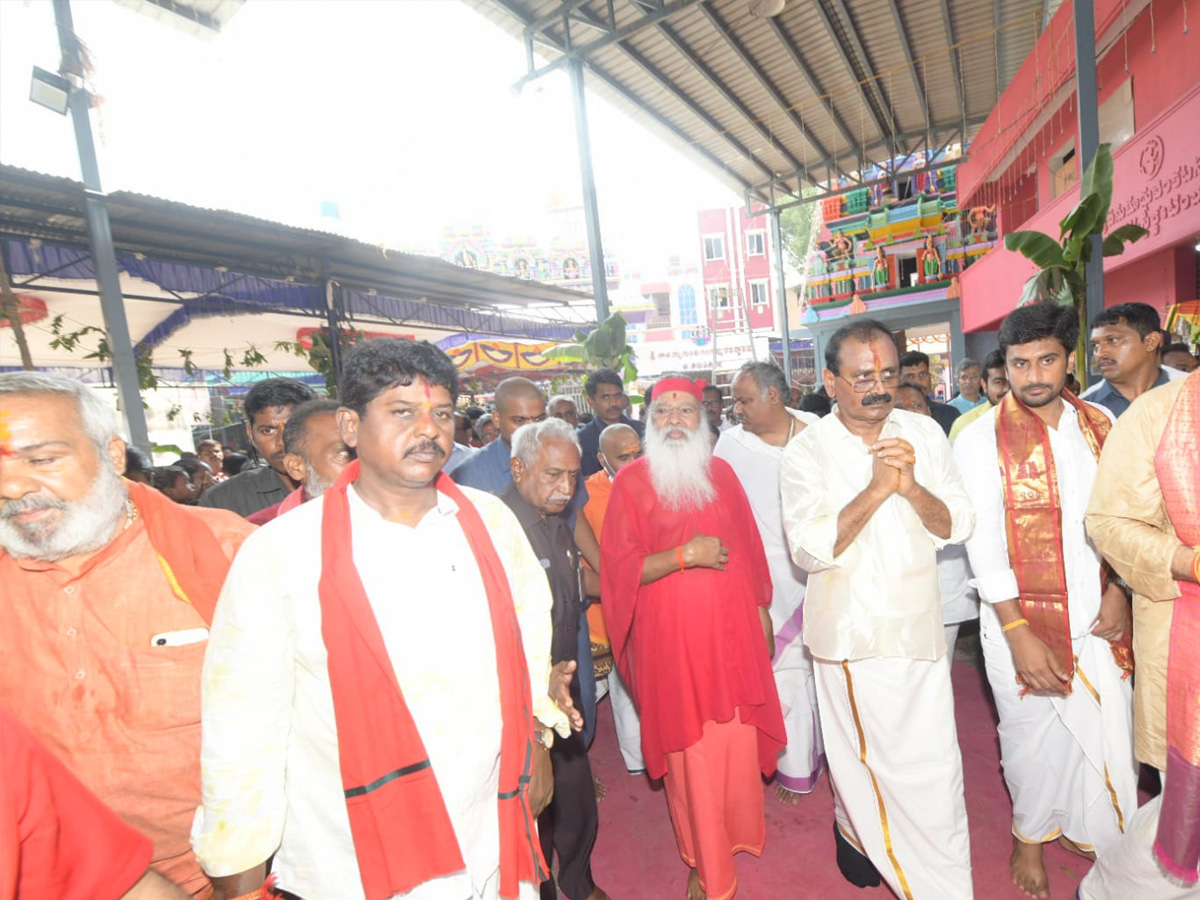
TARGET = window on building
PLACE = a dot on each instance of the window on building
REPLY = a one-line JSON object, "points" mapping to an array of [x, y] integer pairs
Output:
{"points": [[1116, 115], [687, 306], [758, 293], [1063, 169], [718, 297], [755, 243], [714, 247]]}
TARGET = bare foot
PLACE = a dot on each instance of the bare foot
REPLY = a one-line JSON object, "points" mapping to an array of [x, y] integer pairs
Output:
{"points": [[1028, 872], [786, 797], [694, 891], [600, 789], [1071, 847]]}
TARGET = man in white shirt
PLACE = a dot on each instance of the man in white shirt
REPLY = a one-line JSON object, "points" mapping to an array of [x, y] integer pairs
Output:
{"points": [[1052, 638], [870, 494], [383, 650], [754, 449]]}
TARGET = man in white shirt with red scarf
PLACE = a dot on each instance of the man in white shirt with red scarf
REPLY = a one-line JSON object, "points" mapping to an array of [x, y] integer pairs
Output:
{"points": [[375, 688]]}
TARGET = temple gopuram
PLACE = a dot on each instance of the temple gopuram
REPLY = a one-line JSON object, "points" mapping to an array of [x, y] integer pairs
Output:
{"points": [[895, 250]]}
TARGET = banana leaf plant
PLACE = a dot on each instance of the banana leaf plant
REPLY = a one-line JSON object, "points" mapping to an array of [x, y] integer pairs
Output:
{"points": [[1063, 262], [603, 348]]}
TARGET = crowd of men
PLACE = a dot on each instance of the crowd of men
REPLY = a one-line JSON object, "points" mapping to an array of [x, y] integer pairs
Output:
{"points": [[371, 666]]}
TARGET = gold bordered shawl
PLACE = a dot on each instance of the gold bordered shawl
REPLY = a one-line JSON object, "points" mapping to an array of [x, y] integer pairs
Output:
{"points": [[1033, 521]]}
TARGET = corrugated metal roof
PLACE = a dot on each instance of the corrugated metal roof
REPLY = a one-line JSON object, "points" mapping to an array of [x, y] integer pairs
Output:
{"points": [[51, 208], [201, 18], [817, 91]]}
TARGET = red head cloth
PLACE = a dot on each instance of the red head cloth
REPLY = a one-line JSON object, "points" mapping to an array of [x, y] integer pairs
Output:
{"points": [[675, 383]]}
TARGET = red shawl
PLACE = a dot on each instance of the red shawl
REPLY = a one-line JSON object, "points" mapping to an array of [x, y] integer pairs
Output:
{"points": [[690, 645], [1177, 462], [402, 832], [1033, 522], [190, 554]]}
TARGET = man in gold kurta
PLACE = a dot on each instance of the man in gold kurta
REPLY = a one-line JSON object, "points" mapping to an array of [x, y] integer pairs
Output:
{"points": [[1127, 520]]}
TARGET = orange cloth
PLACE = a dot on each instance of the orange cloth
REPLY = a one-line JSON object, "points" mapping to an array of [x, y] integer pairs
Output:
{"points": [[715, 797], [78, 666], [599, 488]]}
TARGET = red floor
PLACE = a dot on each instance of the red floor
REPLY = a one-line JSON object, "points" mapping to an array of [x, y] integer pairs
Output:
{"points": [[635, 856]]}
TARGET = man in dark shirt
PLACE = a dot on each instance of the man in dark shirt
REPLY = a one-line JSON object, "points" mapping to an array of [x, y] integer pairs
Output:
{"points": [[268, 406], [914, 369], [606, 396], [1126, 343], [545, 472]]}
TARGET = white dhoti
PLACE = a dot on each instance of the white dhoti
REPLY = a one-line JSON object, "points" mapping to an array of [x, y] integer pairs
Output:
{"points": [[1129, 868], [803, 760], [627, 722], [892, 745], [1068, 761]]}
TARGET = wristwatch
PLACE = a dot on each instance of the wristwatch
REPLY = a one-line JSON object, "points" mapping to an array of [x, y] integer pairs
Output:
{"points": [[544, 736]]}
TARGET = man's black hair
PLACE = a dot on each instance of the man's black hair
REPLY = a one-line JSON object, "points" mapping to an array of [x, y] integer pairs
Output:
{"points": [[817, 404], [913, 358], [233, 463], [190, 464], [163, 478], [1141, 317], [712, 387], [599, 377], [1037, 322], [136, 461], [994, 360], [377, 365], [912, 387], [474, 413], [1177, 348], [860, 330], [293, 431], [275, 392]]}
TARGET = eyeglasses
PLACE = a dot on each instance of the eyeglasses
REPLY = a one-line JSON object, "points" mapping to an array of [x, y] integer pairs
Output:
{"points": [[669, 412], [863, 383]]}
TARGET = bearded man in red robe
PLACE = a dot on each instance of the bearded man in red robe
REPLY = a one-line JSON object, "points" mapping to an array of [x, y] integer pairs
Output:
{"points": [[683, 568]]}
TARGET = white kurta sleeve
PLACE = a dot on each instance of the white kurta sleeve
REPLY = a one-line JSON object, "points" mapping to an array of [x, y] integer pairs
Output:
{"points": [[987, 548], [810, 511], [247, 700], [947, 485]]}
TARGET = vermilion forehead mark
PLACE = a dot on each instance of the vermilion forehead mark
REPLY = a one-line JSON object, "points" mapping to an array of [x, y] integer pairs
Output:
{"points": [[875, 356], [428, 390]]}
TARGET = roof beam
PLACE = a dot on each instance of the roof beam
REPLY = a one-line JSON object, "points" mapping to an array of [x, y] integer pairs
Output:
{"points": [[867, 86], [955, 66], [723, 89], [627, 30], [773, 92], [906, 46], [518, 13], [810, 77]]}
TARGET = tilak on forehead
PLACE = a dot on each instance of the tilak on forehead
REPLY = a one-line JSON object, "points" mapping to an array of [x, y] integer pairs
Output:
{"points": [[675, 383], [5, 436]]}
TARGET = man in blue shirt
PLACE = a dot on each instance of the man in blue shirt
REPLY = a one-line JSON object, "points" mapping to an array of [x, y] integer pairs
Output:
{"points": [[1126, 342], [969, 374], [606, 396]]}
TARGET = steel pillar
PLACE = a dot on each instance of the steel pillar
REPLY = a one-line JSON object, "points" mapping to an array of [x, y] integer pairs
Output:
{"points": [[1087, 102], [104, 257], [587, 180], [781, 293]]}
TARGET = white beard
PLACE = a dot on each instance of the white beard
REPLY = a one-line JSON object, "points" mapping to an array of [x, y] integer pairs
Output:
{"points": [[84, 526], [680, 467], [314, 485]]}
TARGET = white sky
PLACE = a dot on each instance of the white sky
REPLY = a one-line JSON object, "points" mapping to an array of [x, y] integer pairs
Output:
{"points": [[400, 111]]}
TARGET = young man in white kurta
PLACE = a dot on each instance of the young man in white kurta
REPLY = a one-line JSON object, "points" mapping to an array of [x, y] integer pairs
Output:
{"points": [[1068, 760], [272, 782], [756, 464], [873, 621]]}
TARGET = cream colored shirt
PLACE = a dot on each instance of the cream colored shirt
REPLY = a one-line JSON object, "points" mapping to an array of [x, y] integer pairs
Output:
{"points": [[880, 597], [978, 460], [1127, 519], [270, 771]]}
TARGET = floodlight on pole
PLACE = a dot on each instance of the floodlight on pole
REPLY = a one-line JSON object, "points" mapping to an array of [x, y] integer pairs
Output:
{"points": [[51, 90]]}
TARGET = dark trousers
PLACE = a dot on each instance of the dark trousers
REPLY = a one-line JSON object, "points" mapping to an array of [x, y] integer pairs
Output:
{"points": [[568, 825]]}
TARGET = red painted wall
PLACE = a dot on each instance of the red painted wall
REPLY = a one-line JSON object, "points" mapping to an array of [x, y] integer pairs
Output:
{"points": [[738, 268]]}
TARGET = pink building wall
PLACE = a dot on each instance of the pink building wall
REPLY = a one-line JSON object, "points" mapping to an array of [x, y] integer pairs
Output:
{"points": [[738, 269]]}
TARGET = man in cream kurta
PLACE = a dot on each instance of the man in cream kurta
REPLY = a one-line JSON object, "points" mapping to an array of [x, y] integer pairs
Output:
{"points": [[272, 782], [755, 451], [873, 618]]}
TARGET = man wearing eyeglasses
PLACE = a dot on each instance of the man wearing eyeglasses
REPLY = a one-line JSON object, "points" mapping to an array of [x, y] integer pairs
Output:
{"points": [[870, 494]]}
